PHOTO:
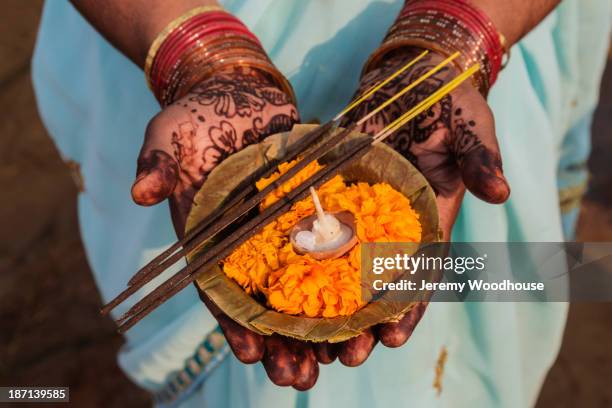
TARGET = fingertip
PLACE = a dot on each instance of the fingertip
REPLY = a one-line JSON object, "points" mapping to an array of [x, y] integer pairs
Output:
{"points": [[252, 353], [157, 176], [490, 188], [279, 361], [152, 188], [142, 194], [395, 335], [252, 358], [501, 192], [356, 351], [483, 175], [326, 353], [308, 368], [391, 336], [247, 346]]}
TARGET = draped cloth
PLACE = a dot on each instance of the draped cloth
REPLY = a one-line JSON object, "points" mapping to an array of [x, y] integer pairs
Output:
{"points": [[95, 104]]}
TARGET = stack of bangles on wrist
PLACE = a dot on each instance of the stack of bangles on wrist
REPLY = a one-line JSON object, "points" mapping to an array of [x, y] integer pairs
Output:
{"points": [[199, 43], [447, 27]]}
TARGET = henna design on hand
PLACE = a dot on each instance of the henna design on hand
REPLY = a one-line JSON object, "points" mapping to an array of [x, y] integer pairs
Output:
{"points": [[217, 118], [278, 123], [436, 141], [465, 139], [223, 138], [238, 94], [239, 100]]}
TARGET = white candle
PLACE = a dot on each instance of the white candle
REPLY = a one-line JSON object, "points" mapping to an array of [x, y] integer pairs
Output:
{"points": [[327, 232]]}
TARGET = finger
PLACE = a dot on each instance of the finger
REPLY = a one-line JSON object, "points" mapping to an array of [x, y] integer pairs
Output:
{"points": [[156, 177], [246, 345], [326, 352], [157, 170], [477, 152], [308, 368], [482, 173], [280, 361], [356, 350], [396, 334]]}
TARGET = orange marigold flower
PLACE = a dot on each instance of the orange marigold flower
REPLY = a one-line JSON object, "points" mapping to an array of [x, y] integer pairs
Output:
{"points": [[298, 284]]}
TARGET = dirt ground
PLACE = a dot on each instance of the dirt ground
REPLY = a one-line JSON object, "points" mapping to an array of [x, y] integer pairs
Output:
{"points": [[50, 330]]}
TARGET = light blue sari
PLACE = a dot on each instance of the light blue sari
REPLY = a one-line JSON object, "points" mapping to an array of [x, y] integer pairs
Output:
{"points": [[96, 105]]}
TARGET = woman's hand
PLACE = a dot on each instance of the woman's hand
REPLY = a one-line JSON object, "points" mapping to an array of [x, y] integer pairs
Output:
{"points": [[183, 143], [186, 140], [453, 144]]}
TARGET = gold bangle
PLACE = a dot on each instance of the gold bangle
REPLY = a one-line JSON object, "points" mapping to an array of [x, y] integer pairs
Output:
{"points": [[504, 43], [161, 37]]}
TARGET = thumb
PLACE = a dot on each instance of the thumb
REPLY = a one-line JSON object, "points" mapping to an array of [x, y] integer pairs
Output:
{"points": [[156, 177], [482, 173], [157, 171], [478, 156]]}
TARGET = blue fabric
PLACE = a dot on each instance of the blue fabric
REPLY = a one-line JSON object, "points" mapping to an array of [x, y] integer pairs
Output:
{"points": [[95, 104]]}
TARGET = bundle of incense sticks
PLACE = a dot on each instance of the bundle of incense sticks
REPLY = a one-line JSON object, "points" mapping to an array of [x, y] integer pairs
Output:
{"points": [[309, 148]]}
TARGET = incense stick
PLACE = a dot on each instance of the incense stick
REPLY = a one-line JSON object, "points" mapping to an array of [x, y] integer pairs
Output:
{"points": [[409, 87], [223, 248], [370, 91], [428, 102]]}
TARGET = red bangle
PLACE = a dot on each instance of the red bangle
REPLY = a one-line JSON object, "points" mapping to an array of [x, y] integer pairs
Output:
{"points": [[175, 40], [199, 27], [448, 26], [198, 59], [197, 44], [185, 37], [172, 54], [478, 22], [487, 39]]}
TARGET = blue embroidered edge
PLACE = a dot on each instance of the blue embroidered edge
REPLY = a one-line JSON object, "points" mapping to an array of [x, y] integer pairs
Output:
{"points": [[207, 356]]}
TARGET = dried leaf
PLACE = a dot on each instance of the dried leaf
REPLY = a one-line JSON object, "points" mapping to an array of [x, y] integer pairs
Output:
{"points": [[380, 164]]}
